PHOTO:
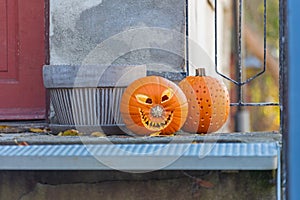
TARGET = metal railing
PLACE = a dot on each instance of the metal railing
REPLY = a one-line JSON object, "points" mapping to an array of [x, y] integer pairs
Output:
{"points": [[240, 82]]}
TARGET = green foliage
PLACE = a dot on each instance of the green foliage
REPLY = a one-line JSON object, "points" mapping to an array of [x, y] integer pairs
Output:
{"points": [[265, 88], [254, 16]]}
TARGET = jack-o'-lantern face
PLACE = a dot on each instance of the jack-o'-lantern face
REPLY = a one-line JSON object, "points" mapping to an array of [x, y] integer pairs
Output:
{"points": [[153, 114], [153, 104]]}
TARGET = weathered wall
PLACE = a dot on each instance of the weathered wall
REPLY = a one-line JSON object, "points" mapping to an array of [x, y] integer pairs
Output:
{"points": [[133, 32], [112, 185], [122, 32], [117, 31]]}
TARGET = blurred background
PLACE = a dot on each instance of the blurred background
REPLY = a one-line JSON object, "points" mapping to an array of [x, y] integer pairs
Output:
{"points": [[264, 88]]}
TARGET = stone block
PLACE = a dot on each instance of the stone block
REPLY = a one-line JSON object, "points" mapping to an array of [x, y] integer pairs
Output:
{"points": [[126, 32]]}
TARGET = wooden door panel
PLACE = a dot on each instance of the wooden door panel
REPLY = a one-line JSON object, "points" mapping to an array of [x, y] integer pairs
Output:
{"points": [[8, 53], [22, 53], [3, 36]]}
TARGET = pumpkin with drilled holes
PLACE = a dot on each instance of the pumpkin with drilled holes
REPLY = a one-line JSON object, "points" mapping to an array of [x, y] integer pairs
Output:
{"points": [[153, 104], [208, 101]]}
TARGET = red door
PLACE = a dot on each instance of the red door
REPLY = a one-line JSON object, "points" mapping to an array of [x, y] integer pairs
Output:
{"points": [[22, 55]]}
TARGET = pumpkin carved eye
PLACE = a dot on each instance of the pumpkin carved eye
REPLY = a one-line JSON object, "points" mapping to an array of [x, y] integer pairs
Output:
{"points": [[149, 101], [167, 95], [143, 99]]}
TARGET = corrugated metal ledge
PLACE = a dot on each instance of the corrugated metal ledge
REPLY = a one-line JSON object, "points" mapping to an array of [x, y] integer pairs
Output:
{"points": [[200, 156]]}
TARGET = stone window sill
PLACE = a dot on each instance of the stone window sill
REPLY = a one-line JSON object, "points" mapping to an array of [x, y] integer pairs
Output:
{"points": [[221, 151]]}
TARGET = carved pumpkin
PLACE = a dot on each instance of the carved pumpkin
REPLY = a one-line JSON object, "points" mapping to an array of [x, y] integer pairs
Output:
{"points": [[153, 104], [208, 101]]}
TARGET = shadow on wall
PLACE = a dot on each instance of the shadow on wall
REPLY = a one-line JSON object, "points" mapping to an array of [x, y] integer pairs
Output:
{"points": [[78, 27]]}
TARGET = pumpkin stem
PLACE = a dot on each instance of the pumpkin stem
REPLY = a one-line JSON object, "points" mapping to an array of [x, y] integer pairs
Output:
{"points": [[200, 72]]}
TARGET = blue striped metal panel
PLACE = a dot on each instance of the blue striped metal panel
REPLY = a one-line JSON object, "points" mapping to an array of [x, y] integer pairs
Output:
{"points": [[294, 98], [260, 156]]}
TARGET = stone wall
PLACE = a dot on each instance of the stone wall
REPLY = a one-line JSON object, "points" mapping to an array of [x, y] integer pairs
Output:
{"points": [[114, 185], [130, 32], [125, 32]]}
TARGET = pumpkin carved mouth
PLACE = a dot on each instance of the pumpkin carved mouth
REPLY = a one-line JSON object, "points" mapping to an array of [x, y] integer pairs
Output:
{"points": [[159, 124]]}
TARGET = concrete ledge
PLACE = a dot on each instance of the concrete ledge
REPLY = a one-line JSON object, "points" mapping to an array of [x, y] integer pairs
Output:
{"points": [[45, 138]]}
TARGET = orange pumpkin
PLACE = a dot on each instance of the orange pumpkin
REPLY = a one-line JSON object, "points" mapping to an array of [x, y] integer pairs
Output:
{"points": [[208, 101], [153, 104]]}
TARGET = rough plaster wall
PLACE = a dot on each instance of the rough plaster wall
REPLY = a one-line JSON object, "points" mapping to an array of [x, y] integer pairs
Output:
{"points": [[78, 28], [114, 185]]}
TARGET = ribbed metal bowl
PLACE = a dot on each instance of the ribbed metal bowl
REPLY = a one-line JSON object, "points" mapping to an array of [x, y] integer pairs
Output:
{"points": [[87, 106], [88, 95]]}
